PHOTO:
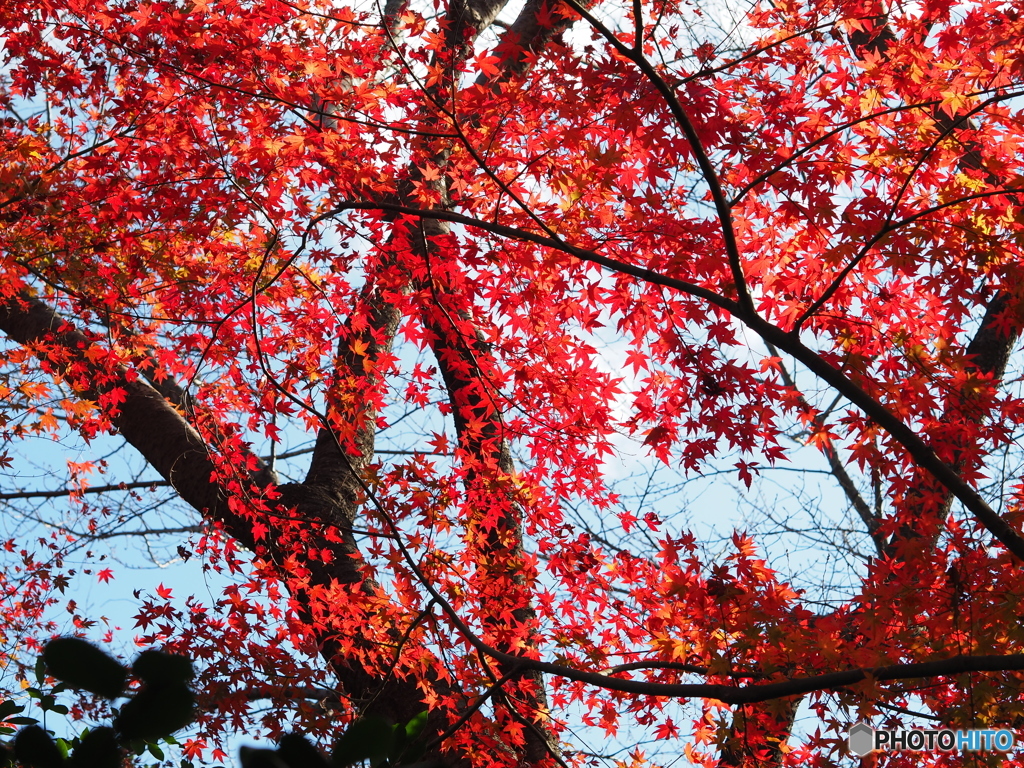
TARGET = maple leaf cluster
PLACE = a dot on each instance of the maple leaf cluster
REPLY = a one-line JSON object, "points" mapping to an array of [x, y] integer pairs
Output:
{"points": [[469, 258]]}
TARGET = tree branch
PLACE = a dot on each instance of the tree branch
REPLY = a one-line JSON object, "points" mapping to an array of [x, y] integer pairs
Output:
{"points": [[90, 489], [144, 417], [919, 450], [752, 694]]}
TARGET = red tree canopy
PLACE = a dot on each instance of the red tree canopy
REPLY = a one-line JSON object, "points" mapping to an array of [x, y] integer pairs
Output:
{"points": [[546, 237]]}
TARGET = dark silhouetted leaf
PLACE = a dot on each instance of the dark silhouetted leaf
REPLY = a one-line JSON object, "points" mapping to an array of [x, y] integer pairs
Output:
{"points": [[160, 668], [260, 758], [35, 748], [80, 664], [155, 713], [299, 752], [97, 749]]}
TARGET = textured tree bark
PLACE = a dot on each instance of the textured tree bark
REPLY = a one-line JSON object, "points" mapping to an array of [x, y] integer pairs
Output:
{"points": [[753, 726], [462, 357]]}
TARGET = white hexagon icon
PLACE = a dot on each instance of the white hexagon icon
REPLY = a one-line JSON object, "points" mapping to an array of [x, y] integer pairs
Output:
{"points": [[861, 739]]}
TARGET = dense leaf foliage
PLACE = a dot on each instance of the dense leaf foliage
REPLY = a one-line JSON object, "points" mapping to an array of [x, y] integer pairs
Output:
{"points": [[474, 256]]}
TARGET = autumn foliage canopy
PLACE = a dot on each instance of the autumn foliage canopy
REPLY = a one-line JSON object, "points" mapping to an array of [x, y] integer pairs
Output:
{"points": [[387, 295]]}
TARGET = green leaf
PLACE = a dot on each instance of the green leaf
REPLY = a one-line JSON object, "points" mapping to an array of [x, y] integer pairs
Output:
{"points": [[155, 751], [63, 747], [403, 749], [416, 725], [8, 708], [22, 721], [369, 738], [60, 709]]}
